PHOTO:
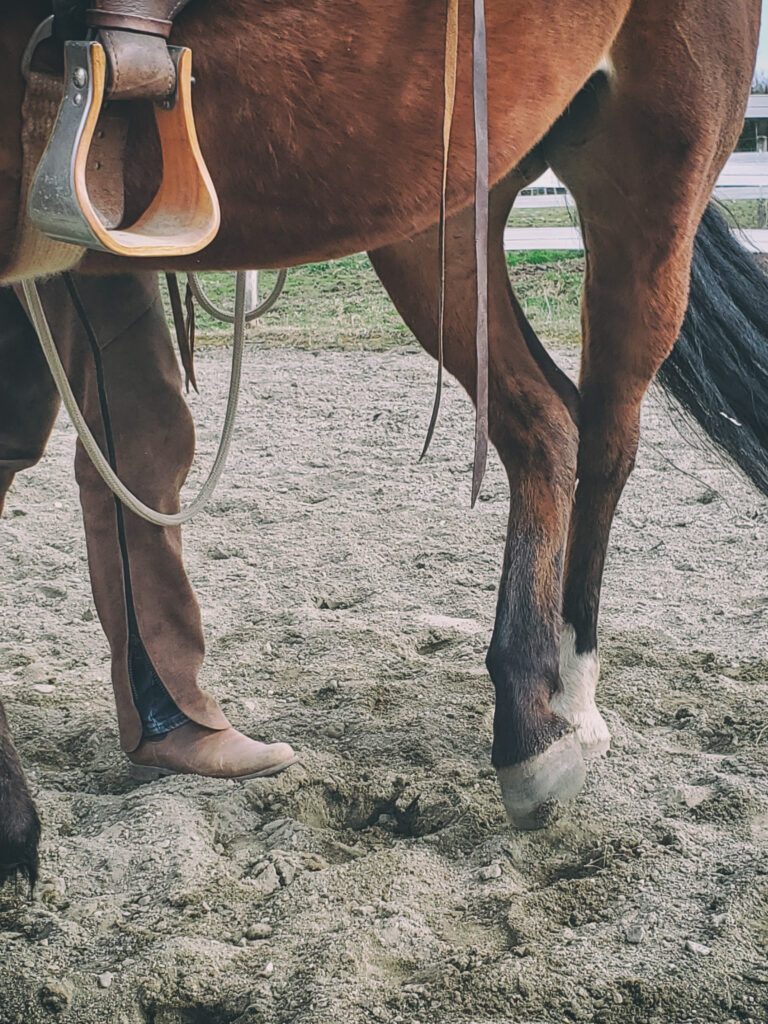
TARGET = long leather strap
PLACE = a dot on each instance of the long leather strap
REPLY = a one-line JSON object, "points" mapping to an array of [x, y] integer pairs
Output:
{"points": [[480, 118], [451, 64], [184, 331], [480, 102], [133, 34]]}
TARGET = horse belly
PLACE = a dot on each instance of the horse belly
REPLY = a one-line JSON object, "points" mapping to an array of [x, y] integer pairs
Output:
{"points": [[323, 133]]}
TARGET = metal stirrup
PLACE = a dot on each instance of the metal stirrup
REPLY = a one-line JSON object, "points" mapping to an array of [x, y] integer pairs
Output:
{"points": [[97, 457]]}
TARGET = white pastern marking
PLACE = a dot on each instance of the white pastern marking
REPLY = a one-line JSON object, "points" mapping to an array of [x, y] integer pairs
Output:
{"points": [[576, 703], [607, 67]]}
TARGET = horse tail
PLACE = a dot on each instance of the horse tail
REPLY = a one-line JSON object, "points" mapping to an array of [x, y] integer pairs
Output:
{"points": [[718, 369]]}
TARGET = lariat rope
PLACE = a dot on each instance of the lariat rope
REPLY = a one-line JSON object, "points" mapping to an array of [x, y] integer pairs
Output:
{"points": [[91, 445]]}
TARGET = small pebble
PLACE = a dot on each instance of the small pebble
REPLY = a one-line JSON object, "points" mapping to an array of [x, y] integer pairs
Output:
{"points": [[105, 980], [335, 731], [44, 687], [258, 931], [697, 947], [490, 871], [635, 934], [269, 968]]}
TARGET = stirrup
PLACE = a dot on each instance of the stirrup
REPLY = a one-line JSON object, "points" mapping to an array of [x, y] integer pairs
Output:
{"points": [[184, 215]]}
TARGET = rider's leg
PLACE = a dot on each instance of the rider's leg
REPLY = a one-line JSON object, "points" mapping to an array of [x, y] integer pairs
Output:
{"points": [[115, 344]]}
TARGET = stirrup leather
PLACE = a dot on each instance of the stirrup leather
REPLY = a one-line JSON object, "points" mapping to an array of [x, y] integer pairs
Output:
{"points": [[65, 199]]}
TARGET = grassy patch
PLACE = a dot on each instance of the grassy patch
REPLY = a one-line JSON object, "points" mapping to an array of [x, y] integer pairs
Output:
{"points": [[338, 304], [342, 304], [546, 217], [548, 287], [747, 213]]}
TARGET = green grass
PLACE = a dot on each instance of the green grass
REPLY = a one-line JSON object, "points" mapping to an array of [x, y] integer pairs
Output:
{"points": [[747, 213], [548, 287], [546, 217], [338, 304], [342, 305]]}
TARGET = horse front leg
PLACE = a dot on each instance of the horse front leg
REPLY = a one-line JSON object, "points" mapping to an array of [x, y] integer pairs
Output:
{"points": [[28, 405], [19, 823], [537, 758]]}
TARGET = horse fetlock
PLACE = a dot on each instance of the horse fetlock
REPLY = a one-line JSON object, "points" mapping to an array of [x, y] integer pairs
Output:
{"points": [[535, 790], [575, 700], [19, 835]]}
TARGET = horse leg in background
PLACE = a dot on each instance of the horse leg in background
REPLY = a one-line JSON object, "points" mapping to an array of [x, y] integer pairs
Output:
{"points": [[537, 759], [19, 823], [115, 344], [641, 154], [28, 405]]}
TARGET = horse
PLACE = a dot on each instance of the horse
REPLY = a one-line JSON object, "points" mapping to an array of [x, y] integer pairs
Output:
{"points": [[321, 126]]}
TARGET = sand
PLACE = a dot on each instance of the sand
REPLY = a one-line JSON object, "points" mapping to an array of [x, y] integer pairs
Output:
{"points": [[348, 595]]}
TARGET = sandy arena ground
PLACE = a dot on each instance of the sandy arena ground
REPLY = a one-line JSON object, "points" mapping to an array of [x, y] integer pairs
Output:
{"points": [[348, 595]]}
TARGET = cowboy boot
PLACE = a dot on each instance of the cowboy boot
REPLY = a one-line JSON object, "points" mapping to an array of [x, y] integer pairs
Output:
{"points": [[114, 342]]}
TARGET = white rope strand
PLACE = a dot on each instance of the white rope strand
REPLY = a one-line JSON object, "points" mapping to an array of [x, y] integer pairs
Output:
{"points": [[97, 457]]}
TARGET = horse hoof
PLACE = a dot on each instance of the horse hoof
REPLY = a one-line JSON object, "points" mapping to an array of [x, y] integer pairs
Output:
{"points": [[19, 837], [535, 790]]}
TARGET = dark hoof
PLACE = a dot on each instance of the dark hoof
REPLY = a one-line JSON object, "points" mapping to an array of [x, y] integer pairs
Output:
{"points": [[19, 835], [535, 790]]}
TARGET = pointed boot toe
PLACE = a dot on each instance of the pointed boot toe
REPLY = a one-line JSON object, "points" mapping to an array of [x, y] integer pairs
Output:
{"points": [[221, 754]]}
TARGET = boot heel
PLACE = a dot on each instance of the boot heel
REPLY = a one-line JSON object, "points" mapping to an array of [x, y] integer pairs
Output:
{"points": [[145, 773]]}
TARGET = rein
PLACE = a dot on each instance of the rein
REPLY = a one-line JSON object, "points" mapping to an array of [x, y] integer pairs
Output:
{"points": [[480, 103], [480, 128]]}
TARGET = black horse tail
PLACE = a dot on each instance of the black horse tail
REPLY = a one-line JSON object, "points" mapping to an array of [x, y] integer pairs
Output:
{"points": [[718, 370]]}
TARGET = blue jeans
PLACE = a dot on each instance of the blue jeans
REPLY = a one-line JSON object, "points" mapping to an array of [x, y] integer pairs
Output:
{"points": [[158, 712]]}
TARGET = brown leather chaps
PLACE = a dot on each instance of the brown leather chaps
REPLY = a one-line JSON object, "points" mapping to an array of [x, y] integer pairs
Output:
{"points": [[126, 379]]}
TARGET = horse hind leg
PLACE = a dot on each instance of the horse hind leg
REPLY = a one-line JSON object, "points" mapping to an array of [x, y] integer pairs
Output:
{"points": [[641, 156], [538, 761]]}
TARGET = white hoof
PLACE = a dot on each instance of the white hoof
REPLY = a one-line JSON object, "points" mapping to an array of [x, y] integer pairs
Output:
{"points": [[535, 790], [576, 701]]}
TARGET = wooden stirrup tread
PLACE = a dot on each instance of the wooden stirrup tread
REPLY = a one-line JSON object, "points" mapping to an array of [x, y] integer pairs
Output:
{"points": [[184, 215]]}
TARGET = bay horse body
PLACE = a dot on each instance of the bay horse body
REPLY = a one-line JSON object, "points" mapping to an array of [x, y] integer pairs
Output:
{"points": [[321, 126]]}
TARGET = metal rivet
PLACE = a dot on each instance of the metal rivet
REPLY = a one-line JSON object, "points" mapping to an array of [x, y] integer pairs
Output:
{"points": [[79, 77], [77, 99]]}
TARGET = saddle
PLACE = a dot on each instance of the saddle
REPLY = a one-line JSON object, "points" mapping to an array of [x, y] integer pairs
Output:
{"points": [[117, 59]]}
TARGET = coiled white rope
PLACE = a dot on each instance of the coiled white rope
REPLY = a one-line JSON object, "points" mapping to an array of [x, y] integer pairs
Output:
{"points": [[89, 442]]}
